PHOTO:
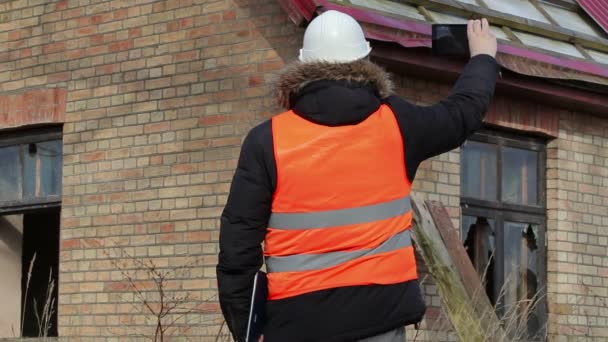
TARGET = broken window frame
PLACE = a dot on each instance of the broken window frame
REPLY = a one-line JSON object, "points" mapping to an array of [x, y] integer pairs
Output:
{"points": [[25, 137], [502, 212]]}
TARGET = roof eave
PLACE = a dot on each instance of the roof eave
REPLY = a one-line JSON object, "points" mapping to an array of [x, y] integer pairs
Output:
{"points": [[420, 62]]}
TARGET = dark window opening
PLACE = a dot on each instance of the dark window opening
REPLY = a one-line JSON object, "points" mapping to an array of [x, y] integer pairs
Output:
{"points": [[503, 226], [31, 164], [39, 275], [480, 245]]}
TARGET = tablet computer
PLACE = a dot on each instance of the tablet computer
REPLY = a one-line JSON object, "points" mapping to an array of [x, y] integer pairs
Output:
{"points": [[450, 40], [257, 310]]}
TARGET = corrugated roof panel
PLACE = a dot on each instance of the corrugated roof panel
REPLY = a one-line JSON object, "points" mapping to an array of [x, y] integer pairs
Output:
{"points": [[520, 8], [548, 44], [390, 7], [600, 57], [598, 10], [569, 19]]}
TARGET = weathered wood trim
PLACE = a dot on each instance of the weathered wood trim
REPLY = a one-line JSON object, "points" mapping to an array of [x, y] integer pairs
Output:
{"points": [[468, 308]]}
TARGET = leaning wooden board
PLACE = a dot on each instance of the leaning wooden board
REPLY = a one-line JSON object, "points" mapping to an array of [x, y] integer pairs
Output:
{"points": [[467, 306]]}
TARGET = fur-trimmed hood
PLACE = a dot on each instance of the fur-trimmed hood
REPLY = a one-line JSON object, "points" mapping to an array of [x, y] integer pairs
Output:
{"points": [[363, 72]]}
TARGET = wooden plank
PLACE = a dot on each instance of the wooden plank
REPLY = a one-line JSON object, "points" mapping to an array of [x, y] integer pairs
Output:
{"points": [[294, 13], [451, 289], [466, 312], [427, 15], [544, 12], [464, 267]]}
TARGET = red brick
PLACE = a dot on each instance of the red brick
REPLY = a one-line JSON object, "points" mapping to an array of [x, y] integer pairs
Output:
{"points": [[61, 5], [187, 56], [201, 31], [102, 18], [53, 47], [14, 35], [256, 80], [70, 244], [157, 127], [123, 45], [116, 286], [119, 197], [174, 237], [96, 50], [135, 32], [71, 222], [84, 21], [183, 168], [107, 69], [227, 141], [227, 95], [172, 26], [91, 199], [167, 227], [96, 39], [104, 220], [120, 13], [229, 15], [129, 174], [85, 31], [200, 236], [131, 218], [59, 77], [270, 66], [94, 156]]}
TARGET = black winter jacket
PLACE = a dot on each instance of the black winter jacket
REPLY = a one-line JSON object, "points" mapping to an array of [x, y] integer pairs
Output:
{"points": [[335, 95]]}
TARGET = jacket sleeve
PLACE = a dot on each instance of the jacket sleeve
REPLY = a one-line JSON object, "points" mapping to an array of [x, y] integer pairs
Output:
{"points": [[242, 230], [432, 130]]}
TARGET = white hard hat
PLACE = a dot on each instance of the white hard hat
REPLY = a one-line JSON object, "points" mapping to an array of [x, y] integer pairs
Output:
{"points": [[334, 37]]}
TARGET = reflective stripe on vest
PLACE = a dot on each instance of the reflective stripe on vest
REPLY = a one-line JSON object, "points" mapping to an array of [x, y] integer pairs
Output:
{"points": [[308, 262], [340, 217], [341, 211]]}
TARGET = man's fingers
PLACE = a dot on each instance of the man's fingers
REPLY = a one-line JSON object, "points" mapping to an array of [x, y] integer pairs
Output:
{"points": [[485, 26], [477, 27], [470, 28]]}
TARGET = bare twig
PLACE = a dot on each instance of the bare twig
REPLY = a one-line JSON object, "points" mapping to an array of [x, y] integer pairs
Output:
{"points": [[167, 307]]}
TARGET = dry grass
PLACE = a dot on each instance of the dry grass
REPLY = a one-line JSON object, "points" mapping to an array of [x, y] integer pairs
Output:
{"points": [[44, 320], [27, 287], [514, 321], [45, 314]]}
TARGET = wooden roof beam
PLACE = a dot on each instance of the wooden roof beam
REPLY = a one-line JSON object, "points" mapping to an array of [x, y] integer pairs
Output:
{"points": [[426, 14], [544, 12]]}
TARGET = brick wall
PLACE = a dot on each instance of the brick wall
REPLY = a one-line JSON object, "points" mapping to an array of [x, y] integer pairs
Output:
{"points": [[577, 215], [159, 97], [437, 179], [578, 229], [34, 107]]}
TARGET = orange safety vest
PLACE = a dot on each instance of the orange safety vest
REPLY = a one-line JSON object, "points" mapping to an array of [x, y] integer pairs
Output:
{"points": [[341, 211]]}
